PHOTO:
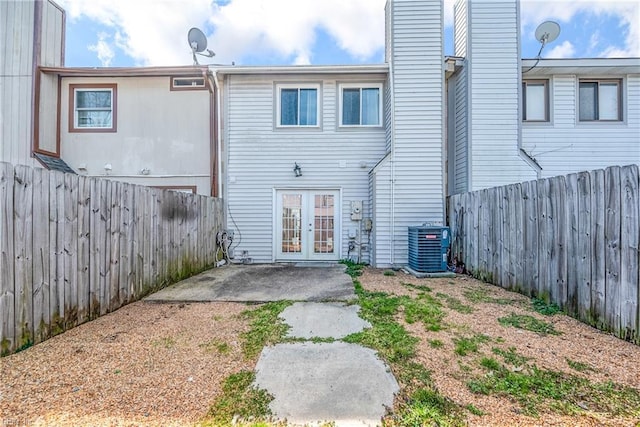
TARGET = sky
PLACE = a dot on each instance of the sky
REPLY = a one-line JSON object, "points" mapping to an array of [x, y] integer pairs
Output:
{"points": [[124, 33]]}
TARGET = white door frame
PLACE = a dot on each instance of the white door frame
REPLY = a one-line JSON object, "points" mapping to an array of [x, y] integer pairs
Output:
{"points": [[277, 230]]}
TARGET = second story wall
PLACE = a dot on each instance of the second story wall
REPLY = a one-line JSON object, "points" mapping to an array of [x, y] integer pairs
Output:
{"points": [[157, 136]]}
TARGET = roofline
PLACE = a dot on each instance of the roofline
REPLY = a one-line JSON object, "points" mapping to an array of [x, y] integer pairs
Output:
{"points": [[304, 69], [125, 71], [582, 65]]}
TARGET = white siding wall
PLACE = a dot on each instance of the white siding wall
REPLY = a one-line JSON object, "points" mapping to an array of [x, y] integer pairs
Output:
{"points": [[162, 130], [417, 154], [494, 86], [564, 145], [261, 157], [16, 82], [380, 189], [17, 23]]}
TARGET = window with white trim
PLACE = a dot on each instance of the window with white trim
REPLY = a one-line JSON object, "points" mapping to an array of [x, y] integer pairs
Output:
{"points": [[600, 100], [360, 105], [298, 106], [93, 108], [535, 100]]}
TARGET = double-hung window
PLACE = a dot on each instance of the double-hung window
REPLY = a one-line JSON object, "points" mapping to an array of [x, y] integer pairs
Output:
{"points": [[535, 100], [92, 108], [298, 105], [361, 105], [600, 100]]}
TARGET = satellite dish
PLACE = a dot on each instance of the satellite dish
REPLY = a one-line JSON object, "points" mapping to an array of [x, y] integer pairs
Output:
{"points": [[198, 44], [547, 32]]}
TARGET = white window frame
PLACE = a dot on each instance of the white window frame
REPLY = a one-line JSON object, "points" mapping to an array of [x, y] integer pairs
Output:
{"points": [[598, 81], [74, 126], [298, 86], [360, 86], [195, 83], [547, 99]]}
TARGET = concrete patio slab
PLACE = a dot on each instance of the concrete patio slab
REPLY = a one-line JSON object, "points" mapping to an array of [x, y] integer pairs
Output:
{"points": [[328, 320], [261, 283], [339, 382]]}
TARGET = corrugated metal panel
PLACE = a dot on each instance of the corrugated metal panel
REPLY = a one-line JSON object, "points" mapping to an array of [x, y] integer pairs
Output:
{"points": [[494, 75], [417, 49], [261, 157], [564, 145]]}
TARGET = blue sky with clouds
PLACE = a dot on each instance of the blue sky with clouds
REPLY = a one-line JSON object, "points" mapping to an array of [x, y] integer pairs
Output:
{"points": [[274, 32]]}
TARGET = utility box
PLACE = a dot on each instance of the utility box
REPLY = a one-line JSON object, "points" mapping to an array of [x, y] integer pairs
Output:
{"points": [[428, 248]]}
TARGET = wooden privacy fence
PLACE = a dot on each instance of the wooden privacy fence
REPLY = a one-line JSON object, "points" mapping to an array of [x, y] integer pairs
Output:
{"points": [[572, 240], [73, 248]]}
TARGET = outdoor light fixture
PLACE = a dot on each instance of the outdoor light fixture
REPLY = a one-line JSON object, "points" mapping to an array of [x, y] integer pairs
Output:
{"points": [[297, 170]]}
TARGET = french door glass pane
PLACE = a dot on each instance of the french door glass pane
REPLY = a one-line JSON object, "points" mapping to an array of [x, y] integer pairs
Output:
{"points": [[588, 101], [323, 223], [292, 223], [370, 106], [608, 101], [536, 103], [308, 107], [351, 107], [289, 107]]}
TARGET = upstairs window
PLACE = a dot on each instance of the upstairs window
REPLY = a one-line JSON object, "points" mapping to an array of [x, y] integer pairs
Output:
{"points": [[535, 101], [600, 100], [187, 83], [360, 105], [93, 108], [297, 106]]}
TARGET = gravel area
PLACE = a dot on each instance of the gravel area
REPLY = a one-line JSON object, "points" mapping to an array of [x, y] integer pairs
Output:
{"points": [[163, 364]]}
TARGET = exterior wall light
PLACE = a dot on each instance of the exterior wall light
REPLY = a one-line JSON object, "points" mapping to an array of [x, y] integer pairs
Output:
{"points": [[297, 170]]}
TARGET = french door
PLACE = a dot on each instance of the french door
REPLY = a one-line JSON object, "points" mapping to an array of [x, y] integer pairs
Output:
{"points": [[307, 224]]}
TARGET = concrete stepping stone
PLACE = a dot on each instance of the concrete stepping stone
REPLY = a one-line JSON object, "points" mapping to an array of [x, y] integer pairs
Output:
{"points": [[340, 382], [323, 320]]}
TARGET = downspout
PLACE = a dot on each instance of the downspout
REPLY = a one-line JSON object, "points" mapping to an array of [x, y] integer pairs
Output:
{"points": [[214, 133], [392, 102], [528, 159]]}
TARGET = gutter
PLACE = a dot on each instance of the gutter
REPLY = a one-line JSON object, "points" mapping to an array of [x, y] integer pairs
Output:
{"points": [[212, 85]]}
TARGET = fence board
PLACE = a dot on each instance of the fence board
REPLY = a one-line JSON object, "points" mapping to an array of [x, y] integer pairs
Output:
{"points": [[598, 278], [104, 237], [82, 277], [125, 243], [56, 296], [70, 252], [612, 249], [530, 238], [41, 272], [560, 231], [7, 297], [629, 245], [23, 250], [583, 254], [114, 253], [571, 226]]}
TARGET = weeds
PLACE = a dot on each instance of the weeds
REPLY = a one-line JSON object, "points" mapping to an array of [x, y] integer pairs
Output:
{"points": [[481, 295], [466, 345], [266, 328], [455, 304], [533, 388], [542, 307], [528, 323], [436, 343], [216, 345], [390, 273], [510, 356], [166, 342], [239, 400], [578, 366]]}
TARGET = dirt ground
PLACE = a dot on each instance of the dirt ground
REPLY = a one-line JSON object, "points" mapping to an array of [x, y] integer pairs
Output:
{"points": [[163, 364]]}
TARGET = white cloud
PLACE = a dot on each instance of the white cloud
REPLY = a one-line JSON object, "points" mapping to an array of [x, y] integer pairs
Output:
{"points": [[103, 49], [564, 50], [534, 12]]}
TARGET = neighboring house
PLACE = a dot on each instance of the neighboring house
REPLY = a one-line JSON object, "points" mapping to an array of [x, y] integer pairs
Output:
{"points": [[511, 120], [320, 163]]}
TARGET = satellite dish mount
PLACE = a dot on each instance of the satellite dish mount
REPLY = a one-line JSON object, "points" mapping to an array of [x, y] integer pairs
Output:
{"points": [[546, 32], [198, 45]]}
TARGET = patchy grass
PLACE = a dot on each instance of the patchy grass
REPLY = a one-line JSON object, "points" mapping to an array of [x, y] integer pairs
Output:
{"points": [[266, 328], [436, 343], [455, 304], [217, 346], [474, 410], [423, 288], [528, 323], [240, 401], [536, 389], [480, 295], [353, 269], [390, 273], [166, 342], [510, 356], [578, 366], [419, 402], [466, 345], [542, 307]]}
